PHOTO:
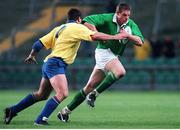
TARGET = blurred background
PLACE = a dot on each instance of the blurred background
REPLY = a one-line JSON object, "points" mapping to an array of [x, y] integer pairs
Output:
{"points": [[154, 66]]}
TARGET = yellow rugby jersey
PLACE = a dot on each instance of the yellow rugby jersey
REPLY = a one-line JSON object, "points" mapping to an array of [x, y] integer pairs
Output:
{"points": [[65, 41]]}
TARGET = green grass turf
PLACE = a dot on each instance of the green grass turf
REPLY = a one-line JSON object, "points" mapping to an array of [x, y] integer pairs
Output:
{"points": [[113, 110]]}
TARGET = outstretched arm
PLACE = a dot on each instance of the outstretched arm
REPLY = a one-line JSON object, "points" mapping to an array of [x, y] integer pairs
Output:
{"points": [[103, 36], [37, 46], [122, 35]]}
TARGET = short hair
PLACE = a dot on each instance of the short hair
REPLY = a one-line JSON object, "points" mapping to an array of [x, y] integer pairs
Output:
{"points": [[123, 6], [74, 14]]}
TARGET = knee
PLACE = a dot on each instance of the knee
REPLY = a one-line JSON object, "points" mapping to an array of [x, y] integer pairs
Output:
{"points": [[65, 94], [62, 95], [40, 96], [120, 74]]}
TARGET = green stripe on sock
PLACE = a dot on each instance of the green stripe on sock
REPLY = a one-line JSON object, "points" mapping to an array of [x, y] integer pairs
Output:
{"points": [[82, 93], [77, 100], [107, 82]]}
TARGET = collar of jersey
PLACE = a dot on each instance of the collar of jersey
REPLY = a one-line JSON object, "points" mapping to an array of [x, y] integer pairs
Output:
{"points": [[71, 21], [115, 21]]}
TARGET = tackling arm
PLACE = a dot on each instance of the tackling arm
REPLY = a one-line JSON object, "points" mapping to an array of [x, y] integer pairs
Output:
{"points": [[103, 36]]}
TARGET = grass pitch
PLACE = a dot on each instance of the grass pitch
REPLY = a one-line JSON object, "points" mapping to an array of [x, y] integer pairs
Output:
{"points": [[113, 110]]}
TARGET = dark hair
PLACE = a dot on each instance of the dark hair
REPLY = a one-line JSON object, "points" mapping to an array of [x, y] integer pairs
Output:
{"points": [[123, 6], [74, 14]]}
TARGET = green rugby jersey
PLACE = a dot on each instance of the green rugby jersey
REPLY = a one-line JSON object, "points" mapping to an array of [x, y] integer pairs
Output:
{"points": [[106, 23]]}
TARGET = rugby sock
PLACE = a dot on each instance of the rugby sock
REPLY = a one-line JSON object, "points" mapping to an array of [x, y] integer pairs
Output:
{"points": [[107, 82], [50, 106], [24, 103], [78, 99]]}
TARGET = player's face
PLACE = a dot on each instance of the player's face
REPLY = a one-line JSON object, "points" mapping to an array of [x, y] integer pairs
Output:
{"points": [[123, 16]]}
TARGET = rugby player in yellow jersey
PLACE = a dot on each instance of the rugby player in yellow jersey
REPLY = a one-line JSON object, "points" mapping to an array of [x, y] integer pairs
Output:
{"points": [[64, 42], [108, 68]]}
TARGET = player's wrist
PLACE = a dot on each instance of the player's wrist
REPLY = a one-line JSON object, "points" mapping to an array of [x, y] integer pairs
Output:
{"points": [[31, 56], [116, 37]]}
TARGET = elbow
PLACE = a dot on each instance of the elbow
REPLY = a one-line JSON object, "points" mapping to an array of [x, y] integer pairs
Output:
{"points": [[93, 37], [139, 43], [99, 36], [96, 36]]}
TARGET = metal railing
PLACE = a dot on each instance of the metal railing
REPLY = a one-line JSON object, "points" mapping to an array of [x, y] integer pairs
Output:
{"points": [[32, 74], [149, 69]]}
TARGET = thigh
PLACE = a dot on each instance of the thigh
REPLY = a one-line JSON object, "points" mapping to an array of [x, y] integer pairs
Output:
{"points": [[115, 66], [60, 85], [103, 56], [95, 79], [97, 75]]}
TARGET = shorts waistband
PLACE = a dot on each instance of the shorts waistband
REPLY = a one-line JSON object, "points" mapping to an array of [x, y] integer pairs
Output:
{"points": [[59, 58]]}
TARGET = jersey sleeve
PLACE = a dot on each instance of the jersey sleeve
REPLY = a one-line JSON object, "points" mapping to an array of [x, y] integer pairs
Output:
{"points": [[137, 32], [47, 40], [96, 20], [84, 33]]}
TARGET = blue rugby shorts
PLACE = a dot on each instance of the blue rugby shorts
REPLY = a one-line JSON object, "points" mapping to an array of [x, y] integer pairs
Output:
{"points": [[53, 66]]}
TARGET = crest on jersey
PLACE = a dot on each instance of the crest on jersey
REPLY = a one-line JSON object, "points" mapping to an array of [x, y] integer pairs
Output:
{"points": [[128, 30]]}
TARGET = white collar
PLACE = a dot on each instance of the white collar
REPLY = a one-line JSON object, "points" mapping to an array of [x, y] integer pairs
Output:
{"points": [[115, 20]]}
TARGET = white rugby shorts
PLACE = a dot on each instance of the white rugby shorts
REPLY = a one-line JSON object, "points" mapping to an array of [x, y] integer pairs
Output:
{"points": [[102, 57]]}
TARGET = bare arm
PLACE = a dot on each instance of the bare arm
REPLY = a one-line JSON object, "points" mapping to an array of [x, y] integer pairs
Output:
{"points": [[103, 36], [133, 38], [37, 46], [136, 39], [31, 58]]}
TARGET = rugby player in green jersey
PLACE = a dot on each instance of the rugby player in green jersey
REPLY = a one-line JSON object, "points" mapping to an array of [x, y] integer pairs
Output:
{"points": [[108, 68]]}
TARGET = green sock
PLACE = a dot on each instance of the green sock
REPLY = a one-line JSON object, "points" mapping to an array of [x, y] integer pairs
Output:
{"points": [[106, 83], [78, 99]]}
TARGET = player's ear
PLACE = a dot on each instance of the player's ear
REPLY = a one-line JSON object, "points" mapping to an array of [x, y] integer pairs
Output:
{"points": [[118, 13], [79, 20]]}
